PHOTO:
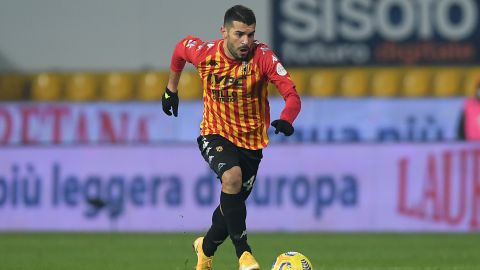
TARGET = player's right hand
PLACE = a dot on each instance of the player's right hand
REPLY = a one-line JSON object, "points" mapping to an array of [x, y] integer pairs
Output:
{"points": [[170, 101]]}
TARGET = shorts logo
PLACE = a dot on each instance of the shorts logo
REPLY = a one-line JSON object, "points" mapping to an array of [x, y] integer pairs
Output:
{"points": [[220, 165], [219, 148], [204, 144]]}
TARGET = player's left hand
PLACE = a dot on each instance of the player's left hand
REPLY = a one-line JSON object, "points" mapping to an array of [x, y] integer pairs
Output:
{"points": [[283, 126], [170, 101]]}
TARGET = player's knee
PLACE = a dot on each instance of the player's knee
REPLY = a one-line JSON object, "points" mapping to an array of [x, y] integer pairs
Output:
{"points": [[232, 180]]}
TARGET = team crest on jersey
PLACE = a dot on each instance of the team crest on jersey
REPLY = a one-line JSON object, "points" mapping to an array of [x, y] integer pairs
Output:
{"points": [[219, 148], [246, 68]]}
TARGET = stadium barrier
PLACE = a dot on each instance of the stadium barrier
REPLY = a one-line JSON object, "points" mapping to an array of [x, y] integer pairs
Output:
{"points": [[348, 82]]}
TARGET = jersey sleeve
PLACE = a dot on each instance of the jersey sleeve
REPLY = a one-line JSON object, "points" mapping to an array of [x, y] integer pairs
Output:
{"points": [[278, 75], [186, 50]]}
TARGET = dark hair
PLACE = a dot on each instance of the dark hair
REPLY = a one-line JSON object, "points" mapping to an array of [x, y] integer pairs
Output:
{"points": [[239, 13]]}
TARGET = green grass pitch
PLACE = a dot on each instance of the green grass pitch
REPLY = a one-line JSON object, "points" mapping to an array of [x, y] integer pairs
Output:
{"points": [[327, 251]]}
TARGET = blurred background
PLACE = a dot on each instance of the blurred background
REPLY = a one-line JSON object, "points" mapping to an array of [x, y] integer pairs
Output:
{"points": [[380, 144]]}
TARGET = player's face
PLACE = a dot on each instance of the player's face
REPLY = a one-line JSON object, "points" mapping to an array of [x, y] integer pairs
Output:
{"points": [[239, 39]]}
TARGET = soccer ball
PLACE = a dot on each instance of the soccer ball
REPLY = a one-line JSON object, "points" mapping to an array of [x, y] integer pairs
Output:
{"points": [[292, 261]]}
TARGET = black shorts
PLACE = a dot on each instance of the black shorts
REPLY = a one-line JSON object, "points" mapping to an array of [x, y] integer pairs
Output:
{"points": [[222, 155]]}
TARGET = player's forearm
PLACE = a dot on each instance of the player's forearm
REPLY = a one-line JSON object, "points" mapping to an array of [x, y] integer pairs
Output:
{"points": [[292, 100], [292, 107], [173, 79]]}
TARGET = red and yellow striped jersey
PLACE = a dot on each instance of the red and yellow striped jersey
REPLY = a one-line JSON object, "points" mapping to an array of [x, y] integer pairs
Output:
{"points": [[235, 92]]}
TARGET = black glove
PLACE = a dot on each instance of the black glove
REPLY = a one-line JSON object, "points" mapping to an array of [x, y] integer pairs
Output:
{"points": [[283, 126], [170, 101]]}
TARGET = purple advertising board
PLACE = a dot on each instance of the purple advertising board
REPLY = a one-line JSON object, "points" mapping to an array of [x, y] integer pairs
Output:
{"points": [[304, 187], [320, 120]]}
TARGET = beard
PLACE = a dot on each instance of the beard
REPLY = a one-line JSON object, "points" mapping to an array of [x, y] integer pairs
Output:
{"points": [[234, 52]]}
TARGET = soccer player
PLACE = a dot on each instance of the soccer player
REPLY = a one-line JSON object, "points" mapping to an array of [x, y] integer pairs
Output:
{"points": [[235, 72]]}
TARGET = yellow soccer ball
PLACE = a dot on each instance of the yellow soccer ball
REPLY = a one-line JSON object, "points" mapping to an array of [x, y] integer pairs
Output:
{"points": [[292, 261]]}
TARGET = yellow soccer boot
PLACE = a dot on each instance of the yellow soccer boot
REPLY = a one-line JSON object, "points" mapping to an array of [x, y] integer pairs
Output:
{"points": [[248, 262], [203, 262]]}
